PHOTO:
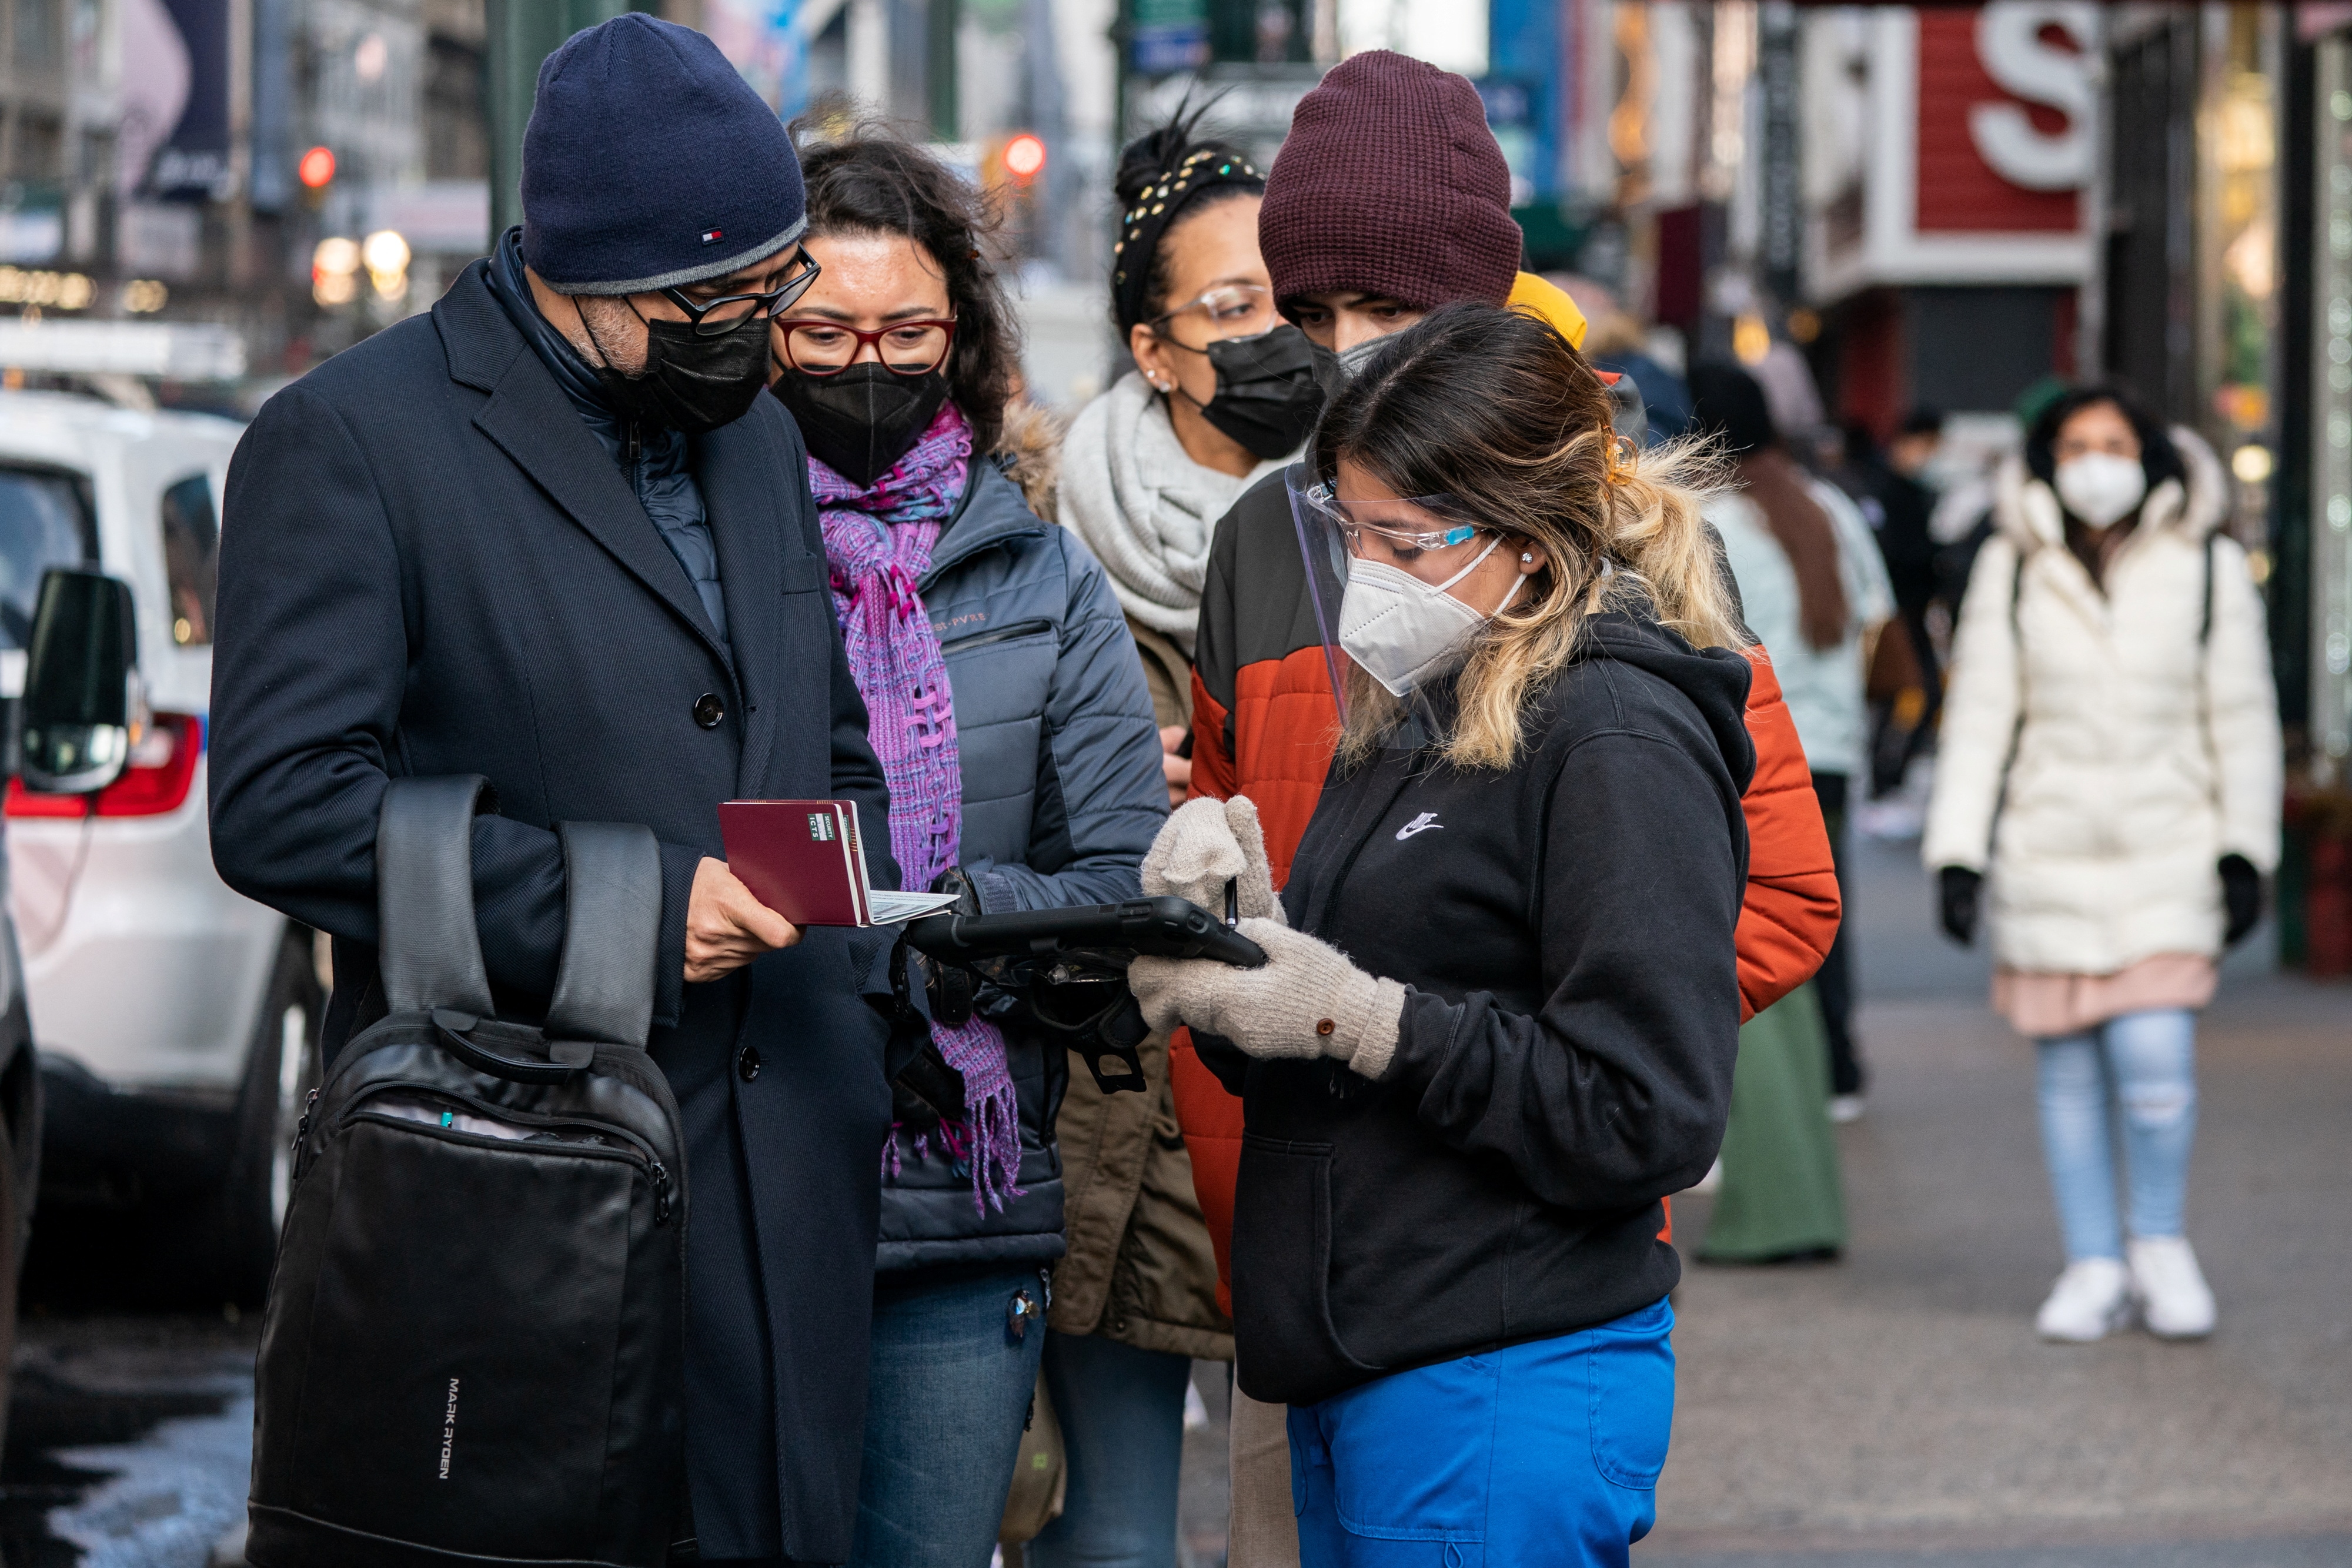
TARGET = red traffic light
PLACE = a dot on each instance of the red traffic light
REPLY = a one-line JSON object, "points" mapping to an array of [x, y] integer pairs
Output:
{"points": [[1024, 156], [316, 169]]}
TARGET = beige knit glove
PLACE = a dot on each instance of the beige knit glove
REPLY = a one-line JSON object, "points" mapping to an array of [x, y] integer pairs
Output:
{"points": [[1203, 846], [1308, 1000]]}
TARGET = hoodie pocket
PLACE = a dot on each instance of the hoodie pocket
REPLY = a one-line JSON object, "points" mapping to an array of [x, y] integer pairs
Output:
{"points": [[1288, 1350]]}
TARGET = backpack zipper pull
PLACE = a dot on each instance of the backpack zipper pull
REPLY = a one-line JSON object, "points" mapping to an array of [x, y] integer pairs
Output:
{"points": [[661, 1193]]}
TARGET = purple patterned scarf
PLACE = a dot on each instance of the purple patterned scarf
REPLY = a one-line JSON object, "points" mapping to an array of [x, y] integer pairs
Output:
{"points": [[877, 543]]}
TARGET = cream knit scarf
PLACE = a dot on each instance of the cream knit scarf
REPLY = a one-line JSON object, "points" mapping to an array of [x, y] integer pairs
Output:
{"points": [[1143, 507]]}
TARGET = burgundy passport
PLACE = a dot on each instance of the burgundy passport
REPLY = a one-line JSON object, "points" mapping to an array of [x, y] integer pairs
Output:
{"points": [[804, 860]]}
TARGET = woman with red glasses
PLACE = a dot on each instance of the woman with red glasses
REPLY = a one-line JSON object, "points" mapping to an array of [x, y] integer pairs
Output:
{"points": [[1015, 730]]}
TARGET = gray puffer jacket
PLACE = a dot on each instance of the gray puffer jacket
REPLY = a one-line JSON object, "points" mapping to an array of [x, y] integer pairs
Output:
{"points": [[1062, 792]]}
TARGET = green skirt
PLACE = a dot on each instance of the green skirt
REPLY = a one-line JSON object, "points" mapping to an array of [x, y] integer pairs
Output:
{"points": [[1780, 1194]]}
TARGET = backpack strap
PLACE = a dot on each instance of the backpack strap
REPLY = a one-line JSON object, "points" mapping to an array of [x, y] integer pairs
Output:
{"points": [[427, 950], [2205, 624], [612, 926]]}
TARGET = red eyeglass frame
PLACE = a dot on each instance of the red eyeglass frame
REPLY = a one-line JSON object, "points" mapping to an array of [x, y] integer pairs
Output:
{"points": [[867, 340]]}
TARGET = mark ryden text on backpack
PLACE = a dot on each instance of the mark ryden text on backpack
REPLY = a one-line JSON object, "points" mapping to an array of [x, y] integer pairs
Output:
{"points": [[448, 1429]]}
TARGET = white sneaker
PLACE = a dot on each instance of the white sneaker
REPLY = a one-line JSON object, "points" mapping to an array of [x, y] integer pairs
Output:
{"points": [[1845, 1108], [2175, 1302], [2091, 1299]]}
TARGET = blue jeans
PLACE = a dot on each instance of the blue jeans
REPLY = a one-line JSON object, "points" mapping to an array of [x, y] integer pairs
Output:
{"points": [[2146, 1065], [1543, 1453], [947, 1388], [1122, 1414]]}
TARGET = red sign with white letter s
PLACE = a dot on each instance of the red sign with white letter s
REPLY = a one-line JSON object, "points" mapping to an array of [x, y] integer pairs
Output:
{"points": [[2005, 106]]}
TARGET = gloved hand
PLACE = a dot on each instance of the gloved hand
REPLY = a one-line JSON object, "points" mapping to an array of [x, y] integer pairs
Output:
{"points": [[1958, 889], [1307, 1001], [1205, 845], [2242, 895]]}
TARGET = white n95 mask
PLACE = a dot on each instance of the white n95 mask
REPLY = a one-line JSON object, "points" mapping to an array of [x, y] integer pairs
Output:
{"points": [[1406, 632], [2100, 487]]}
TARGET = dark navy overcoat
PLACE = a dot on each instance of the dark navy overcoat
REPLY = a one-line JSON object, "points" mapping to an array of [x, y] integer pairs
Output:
{"points": [[429, 566]]}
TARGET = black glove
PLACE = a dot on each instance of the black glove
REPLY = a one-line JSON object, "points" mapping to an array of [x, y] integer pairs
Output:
{"points": [[1957, 889], [2242, 895]]}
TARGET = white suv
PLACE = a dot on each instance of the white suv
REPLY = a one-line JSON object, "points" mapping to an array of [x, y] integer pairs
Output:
{"points": [[176, 1021]]}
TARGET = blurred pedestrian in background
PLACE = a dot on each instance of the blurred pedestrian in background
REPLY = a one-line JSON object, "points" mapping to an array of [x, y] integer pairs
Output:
{"points": [[1391, 198], [1222, 392], [1502, 1003], [1885, 486], [1012, 723], [1614, 341], [2110, 758], [553, 533], [1814, 588], [1808, 583]]}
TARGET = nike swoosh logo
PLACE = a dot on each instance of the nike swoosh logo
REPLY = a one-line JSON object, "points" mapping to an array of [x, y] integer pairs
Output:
{"points": [[1420, 824]]}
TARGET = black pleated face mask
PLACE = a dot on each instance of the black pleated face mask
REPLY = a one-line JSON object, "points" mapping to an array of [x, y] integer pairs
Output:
{"points": [[1270, 390], [860, 421], [693, 382]]}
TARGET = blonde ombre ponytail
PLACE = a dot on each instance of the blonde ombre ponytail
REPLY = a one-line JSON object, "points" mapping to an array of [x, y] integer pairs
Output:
{"points": [[1494, 408]]}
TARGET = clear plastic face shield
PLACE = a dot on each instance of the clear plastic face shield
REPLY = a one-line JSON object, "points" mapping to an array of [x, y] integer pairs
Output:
{"points": [[1377, 574]]}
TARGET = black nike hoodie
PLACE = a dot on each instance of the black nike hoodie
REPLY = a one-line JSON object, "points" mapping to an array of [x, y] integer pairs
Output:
{"points": [[1565, 1055]]}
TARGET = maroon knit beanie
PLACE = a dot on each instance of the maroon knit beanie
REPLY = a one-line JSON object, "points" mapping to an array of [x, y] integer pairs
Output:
{"points": [[1391, 185]]}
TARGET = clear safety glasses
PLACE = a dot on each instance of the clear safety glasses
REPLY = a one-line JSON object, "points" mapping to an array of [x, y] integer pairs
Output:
{"points": [[1397, 531]]}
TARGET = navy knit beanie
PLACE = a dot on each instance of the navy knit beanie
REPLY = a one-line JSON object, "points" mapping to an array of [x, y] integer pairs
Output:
{"points": [[649, 164], [1391, 185]]}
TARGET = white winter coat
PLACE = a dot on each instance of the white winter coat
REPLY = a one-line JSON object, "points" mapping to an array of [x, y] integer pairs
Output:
{"points": [[2141, 760], [1823, 686]]}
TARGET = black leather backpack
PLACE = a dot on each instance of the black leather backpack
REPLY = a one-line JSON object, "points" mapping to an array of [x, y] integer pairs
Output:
{"points": [[473, 1346]]}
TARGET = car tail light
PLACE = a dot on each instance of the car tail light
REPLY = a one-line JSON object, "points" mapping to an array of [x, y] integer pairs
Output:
{"points": [[162, 766]]}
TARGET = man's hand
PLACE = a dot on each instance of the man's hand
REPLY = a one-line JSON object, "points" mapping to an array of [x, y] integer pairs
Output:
{"points": [[726, 927], [1179, 768]]}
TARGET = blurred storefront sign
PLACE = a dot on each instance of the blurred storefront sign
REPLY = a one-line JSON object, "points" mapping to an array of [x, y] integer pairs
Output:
{"points": [[1980, 127], [195, 159]]}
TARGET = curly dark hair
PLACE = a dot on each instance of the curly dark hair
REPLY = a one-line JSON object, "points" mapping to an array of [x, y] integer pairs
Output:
{"points": [[870, 178]]}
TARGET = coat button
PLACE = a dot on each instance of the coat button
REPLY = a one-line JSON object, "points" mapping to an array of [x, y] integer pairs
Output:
{"points": [[747, 1064], [1326, 1027], [708, 710]]}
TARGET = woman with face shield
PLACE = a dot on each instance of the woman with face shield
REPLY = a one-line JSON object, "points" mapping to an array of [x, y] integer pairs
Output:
{"points": [[1015, 733], [2110, 759], [1501, 1006]]}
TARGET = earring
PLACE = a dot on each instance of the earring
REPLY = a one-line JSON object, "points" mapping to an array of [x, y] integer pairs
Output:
{"points": [[1527, 558]]}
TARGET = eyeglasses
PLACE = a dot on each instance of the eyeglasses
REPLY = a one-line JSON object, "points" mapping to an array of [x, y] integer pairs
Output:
{"points": [[829, 347], [705, 316], [1401, 543], [1232, 310]]}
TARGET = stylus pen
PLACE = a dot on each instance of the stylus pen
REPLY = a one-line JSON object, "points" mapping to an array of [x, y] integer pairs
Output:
{"points": [[1233, 902]]}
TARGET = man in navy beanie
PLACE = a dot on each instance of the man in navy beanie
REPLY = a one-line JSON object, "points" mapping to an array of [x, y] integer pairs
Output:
{"points": [[551, 534]]}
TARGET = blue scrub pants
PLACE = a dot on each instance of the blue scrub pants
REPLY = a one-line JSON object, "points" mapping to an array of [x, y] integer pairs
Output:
{"points": [[1543, 1453]]}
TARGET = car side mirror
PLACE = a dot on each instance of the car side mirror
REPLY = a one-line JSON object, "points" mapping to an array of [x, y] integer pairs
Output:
{"points": [[83, 706]]}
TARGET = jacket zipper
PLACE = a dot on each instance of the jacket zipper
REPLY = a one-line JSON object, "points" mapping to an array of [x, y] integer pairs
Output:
{"points": [[1001, 634]]}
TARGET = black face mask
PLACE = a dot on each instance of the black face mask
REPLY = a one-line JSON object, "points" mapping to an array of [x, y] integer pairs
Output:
{"points": [[691, 382], [860, 421], [1270, 388]]}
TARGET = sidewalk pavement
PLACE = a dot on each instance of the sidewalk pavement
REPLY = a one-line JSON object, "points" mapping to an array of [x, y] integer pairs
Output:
{"points": [[1896, 1408]]}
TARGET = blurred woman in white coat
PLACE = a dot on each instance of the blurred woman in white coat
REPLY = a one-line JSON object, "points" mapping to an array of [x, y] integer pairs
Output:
{"points": [[2110, 760]]}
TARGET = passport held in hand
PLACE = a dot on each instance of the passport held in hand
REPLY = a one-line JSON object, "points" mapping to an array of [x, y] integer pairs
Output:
{"points": [[804, 859]]}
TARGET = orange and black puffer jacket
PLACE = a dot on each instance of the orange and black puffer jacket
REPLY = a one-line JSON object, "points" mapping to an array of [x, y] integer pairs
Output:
{"points": [[1264, 725]]}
